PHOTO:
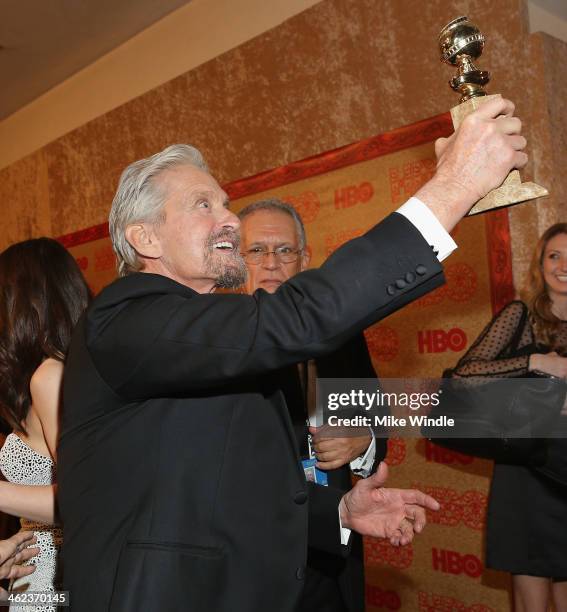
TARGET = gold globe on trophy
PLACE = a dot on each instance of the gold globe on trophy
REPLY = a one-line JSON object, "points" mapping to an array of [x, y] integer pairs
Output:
{"points": [[461, 43]]}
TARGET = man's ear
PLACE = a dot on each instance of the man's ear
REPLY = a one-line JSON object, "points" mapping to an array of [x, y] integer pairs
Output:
{"points": [[144, 240], [305, 258]]}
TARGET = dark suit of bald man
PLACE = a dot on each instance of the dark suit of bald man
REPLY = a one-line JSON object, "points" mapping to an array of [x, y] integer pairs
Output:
{"points": [[333, 582]]}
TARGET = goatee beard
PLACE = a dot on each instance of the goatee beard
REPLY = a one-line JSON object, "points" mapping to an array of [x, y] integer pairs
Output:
{"points": [[229, 271]]}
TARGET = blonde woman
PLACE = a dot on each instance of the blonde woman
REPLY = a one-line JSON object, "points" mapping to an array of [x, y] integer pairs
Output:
{"points": [[527, 511]]}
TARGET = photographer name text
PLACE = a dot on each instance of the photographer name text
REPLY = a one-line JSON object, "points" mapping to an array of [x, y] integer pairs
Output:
{"points": [[414, 420]]}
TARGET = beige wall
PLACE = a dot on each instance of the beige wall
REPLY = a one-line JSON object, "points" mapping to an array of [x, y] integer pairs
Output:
{"points": [[188, 37], [184, 39], [340, 71], [546, 122]]}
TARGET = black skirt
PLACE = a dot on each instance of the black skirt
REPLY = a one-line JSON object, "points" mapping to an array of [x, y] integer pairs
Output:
{"points": [[526, 523]]}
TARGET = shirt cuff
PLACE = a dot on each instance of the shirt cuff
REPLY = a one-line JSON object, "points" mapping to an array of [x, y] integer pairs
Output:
{"points": [[345, 532], [362, 466], [429, 227]]}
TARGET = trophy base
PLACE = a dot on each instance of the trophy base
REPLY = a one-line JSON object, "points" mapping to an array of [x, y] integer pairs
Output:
{"points": [[512, 191], [509, 193]]}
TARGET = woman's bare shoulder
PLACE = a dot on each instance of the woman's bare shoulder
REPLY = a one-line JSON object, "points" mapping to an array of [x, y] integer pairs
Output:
{"points": [[47, 378]]}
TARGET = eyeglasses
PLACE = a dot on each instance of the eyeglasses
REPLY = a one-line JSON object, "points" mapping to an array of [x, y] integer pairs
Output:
{"points": [[282, 254]]}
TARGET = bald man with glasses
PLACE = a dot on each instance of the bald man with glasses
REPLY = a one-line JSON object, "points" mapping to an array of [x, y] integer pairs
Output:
{"points": [[273, 245]]}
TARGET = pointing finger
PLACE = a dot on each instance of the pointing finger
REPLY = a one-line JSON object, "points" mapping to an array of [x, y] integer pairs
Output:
{"points": [[413, 496]]}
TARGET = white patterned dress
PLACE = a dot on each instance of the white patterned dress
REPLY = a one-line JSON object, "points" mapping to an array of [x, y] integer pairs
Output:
{"points": [[20, 464]]}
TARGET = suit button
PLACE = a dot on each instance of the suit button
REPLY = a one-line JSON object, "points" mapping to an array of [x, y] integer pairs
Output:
{"points": [[400, 283], [300, 573], [410, 277], [300, 497], [421, 270], [390, 290]]}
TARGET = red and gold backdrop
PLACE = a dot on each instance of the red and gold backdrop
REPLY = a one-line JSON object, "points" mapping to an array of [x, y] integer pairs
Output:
{"points": [[341, 194]]}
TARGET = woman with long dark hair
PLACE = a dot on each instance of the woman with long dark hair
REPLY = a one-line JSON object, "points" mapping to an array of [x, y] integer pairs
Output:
{"points": [[42, 295], [527, 509]]}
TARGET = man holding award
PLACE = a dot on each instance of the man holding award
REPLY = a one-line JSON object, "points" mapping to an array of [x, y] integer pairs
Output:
{"points": [[179, 485]]}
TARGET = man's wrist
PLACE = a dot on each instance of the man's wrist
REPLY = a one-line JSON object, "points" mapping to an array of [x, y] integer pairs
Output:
{"points": [[342, 512], [362, 465], [344, 530], [448, 199], [425, 221]]}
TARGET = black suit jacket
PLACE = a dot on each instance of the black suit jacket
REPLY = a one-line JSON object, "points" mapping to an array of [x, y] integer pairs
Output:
{"points": [[179, 481], [333, 582]]}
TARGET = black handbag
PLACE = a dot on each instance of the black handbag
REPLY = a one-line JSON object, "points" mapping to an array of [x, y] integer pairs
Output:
{"points": [[509, 420]]}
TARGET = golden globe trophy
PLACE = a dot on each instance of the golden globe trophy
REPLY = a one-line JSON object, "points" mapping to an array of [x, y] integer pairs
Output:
{"points": [[461, 42]]}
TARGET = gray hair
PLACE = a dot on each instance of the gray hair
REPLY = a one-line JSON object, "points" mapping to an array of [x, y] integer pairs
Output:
{"points": [[140, 199], [281, 206]]}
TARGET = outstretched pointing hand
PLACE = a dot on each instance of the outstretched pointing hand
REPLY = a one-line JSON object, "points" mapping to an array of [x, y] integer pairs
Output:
{"points": [[396, 514]]}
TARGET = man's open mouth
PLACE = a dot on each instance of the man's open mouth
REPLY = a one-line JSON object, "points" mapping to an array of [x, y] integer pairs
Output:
{"points": [[224, 245]]}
